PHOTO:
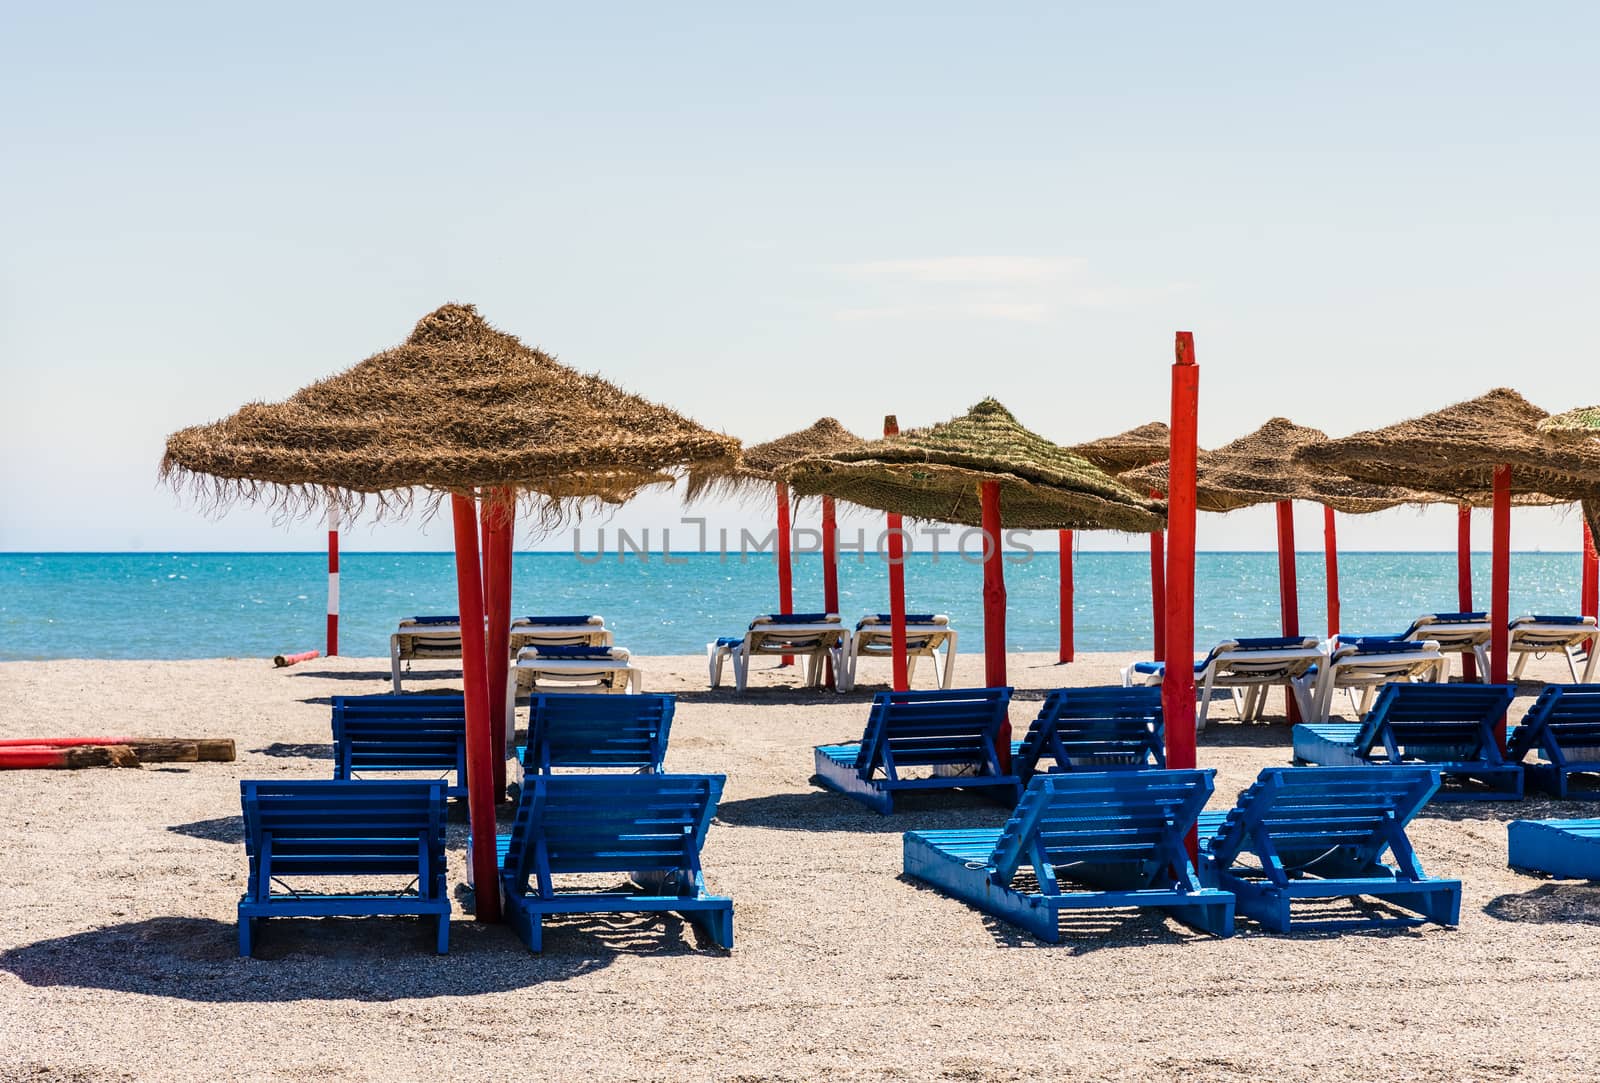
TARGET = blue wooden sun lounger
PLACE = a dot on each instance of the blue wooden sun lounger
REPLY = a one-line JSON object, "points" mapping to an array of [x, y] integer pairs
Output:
{"points": [[1563, 728], [1321, 832], [580, 731], [297, 830], [1093, 840], [647, 827], [953, 733], [414, 734], [1094, 729], [1565, 849], [1445, 726]]}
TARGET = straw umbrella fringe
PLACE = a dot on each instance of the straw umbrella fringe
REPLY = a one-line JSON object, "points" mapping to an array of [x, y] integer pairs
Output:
{"points": [[1140, 446]]}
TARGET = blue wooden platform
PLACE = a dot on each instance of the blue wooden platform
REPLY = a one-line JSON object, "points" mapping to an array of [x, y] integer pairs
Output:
{"points": [[1109, 728], [1566, 849], [305, 829], [1563, 729], [951, 733], [648, 828], [409, 734], [1448, 727], [1092, 840], [1303, 833]]}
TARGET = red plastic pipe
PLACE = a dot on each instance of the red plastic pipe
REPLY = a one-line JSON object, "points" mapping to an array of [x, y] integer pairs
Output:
{"points": [[480, 727], [1500, 590], [1330, 560], [1288, 590], [333, 579], [1469, 664], [1177, 686], [897, 585], [1158, 594], [785, 560], [498, 517], [1064, 543], [830, 568], [284, 660], [994, 607]]}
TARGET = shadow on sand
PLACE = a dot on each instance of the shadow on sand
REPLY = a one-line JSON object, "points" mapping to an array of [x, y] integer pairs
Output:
{"points": [[229, 829], [1569, 903], [823, 810]]}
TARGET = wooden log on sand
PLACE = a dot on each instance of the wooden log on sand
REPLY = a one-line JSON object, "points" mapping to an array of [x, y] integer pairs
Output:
{"points": [[23, 757]]}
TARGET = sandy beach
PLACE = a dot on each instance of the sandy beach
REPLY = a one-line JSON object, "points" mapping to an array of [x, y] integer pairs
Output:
{"points": [[118, 954]]}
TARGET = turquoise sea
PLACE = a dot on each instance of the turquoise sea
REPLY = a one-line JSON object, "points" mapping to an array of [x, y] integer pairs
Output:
{"points": [[207, 605]]}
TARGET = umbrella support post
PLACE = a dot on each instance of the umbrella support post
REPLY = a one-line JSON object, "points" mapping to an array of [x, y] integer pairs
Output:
{"points": [[994, 608], [785, 560], [1469, 664], [1177, 686], [1330, 560], [333, 580], [475, 678], [1288, 591], [897, 586], [1158, 595], [830, 570], [1500, 590], [1589, 591], [1064, 544], [498, 515]]}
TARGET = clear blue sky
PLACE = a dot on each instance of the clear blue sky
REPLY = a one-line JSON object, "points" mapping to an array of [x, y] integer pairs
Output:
{"points": [[762, 215]]}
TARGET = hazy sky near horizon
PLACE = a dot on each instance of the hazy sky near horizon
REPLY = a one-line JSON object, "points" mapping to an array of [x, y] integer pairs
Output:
{"points": [[761, 216]]}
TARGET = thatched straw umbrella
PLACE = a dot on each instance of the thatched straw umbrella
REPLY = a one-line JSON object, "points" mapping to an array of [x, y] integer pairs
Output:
{"points": [[457, 410], [761, 466], [1488, 443], [1582, 426], [965, 471], [1118, 454]]}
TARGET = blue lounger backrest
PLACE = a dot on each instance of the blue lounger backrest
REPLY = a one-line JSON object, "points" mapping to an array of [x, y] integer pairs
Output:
{"points": [[559, 620], [1119, 829], [1097, 729], [341, 828], [1419, 717], [924, 729], [1564, 715], [640, 824], [435, 620], [399, 733], [1336, 820], [578, 730]]}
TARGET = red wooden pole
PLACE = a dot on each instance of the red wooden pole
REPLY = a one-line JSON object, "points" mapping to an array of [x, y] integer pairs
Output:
{"points": [[1330, 560], [498, 514], [1288, 590], [897, 585], [1469, 664], [1500, 589], [1589, 591], [994, 607], [1158, 594], [333, 580], [1177, 686], [1064, 542], [785, 560], [830, 567], [475, 677]]}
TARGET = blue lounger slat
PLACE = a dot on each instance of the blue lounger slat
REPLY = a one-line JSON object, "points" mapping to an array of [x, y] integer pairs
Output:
{"points": [[1565, 849], [1563, 729], [1093, 840], [647, 827], [1109, 728], [1449, 727], [952, 732], [387, 827], [417, 734], [1320, 833], [586, 731]]}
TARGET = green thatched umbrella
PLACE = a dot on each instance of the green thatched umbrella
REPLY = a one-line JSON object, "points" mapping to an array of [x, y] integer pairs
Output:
{"points": [[973, 470], [1491, 443], [458, 409]]}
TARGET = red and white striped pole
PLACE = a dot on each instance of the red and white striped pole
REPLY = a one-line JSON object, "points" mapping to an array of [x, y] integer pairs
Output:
{"points": [[333, 579]]}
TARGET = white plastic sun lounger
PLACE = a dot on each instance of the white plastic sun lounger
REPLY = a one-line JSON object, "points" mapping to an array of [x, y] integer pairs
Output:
{"points": [[926, 635], [1453, 633], [1245, 668], [562, 631], [1361, 666], [576, 669], [809, 636], [1532, 636], [424, 638]]}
